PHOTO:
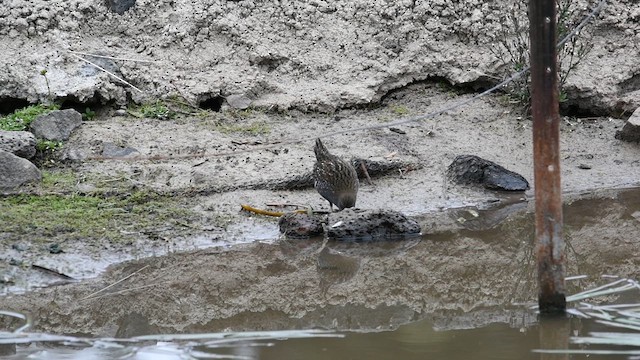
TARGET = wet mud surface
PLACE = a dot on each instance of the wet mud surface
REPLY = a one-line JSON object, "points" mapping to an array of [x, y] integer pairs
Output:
{"points": [[459, 277], [207, 174]]}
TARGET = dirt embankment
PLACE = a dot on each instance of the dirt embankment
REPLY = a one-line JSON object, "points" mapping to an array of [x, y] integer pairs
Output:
{"points": [[314, 55]]}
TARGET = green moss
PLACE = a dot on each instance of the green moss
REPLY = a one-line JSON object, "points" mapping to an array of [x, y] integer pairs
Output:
{"points": [[21, 119], [154, 110], [399, 110], [69, 217], [48, 145], [62, 180], [256, 128], [46, 216]]}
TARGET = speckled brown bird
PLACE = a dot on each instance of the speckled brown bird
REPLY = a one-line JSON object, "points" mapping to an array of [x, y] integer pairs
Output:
{"points": [[335, 179]]}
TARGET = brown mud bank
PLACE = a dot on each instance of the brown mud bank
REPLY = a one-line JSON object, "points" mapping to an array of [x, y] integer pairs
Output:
{"points": [[457, 278], [191, 194], [260, 68], [205, 172]]}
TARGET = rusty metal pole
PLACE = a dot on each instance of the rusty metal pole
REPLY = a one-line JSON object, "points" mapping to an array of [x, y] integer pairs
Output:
{"points": [[550, 248]]}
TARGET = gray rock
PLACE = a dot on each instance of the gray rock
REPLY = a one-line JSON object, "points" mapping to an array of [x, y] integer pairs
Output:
{"points": [[113, 150], [16, 171], [368, 225], [471, 169], [631, 130], [297, 225], [239, 101], [73, 153], [56, 125], [351, 225], [19, 143], [120, 6]]}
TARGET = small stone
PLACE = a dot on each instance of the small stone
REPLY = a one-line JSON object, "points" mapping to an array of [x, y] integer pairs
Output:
{"points": [[19, 143], [20, 246], [16, 171], [120, 6], [55, 248], [298, 225], [584, 166], [471, 169], [631, 130], [56, 125], [74, 154], [120, 112], [113, 150], [367, 225], [397, 131], [238, 101]]}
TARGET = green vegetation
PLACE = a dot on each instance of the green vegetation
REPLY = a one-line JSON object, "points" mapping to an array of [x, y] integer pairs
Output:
{"points": [[43, 72], [89, 217], [56, 180], [110, 211], [21, 119], [48, 145], [46, 153], [399, 110], [511, 47], [240, 114], [88, 114], [154, 110]]}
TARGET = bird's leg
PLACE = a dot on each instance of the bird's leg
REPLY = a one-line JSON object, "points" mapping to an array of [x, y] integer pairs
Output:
{"points": [[366, 173]]}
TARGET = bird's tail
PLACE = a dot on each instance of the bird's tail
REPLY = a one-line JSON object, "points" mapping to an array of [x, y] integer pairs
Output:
{"points": [[321, 151]]}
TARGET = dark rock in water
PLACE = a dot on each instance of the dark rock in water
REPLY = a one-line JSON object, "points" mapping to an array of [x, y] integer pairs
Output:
{"points": [[19, 143], [56, 125], [16, 171], [631, 130], [350, 224], [299, 225], [120, 6], [359, 225], [471, 169]]}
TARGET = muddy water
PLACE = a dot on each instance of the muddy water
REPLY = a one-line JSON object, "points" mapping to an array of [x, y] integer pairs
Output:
{"points": [[417, 340], [461, 291]]}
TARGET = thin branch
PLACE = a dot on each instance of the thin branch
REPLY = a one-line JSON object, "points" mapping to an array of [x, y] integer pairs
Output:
{"points": [[105, 70]]}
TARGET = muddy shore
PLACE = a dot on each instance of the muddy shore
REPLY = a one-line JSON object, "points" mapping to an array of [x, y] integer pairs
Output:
{"points": [[218, 267]]}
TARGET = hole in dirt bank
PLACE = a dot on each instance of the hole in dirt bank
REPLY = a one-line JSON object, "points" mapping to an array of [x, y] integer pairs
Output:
{"points": [[213, 103], [9, 105], [91, 107], [580, 110], [442, 83]]}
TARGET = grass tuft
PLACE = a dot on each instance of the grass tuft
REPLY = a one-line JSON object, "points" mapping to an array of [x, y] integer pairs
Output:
{"points": [[21, 119]]}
